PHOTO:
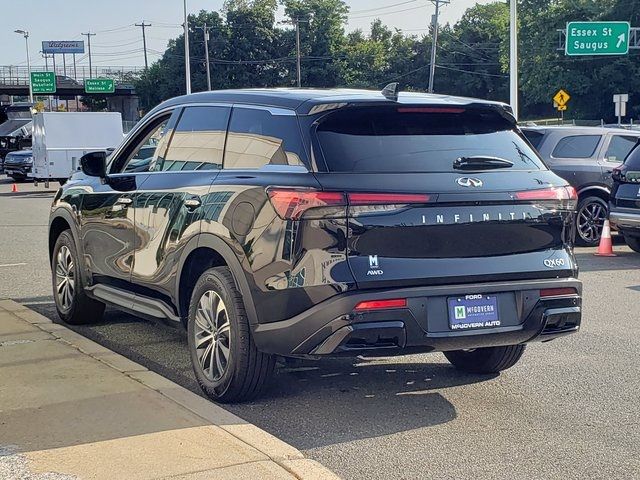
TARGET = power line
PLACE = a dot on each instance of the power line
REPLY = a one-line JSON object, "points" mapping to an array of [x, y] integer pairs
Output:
{"points": [[382, 8], [385, 13], [89, 35]]}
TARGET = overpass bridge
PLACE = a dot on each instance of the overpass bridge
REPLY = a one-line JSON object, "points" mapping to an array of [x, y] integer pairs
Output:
{"points": [[14, 81]]}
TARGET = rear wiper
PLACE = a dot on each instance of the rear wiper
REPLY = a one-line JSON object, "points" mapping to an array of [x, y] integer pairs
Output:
{"points": [[481, 162]]}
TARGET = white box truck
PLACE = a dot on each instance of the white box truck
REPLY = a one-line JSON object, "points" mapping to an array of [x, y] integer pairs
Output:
{"points": [[60, 139]]}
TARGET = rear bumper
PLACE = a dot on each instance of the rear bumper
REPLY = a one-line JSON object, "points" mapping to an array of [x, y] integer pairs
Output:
{"points": [[334, 328], [625, 219]]}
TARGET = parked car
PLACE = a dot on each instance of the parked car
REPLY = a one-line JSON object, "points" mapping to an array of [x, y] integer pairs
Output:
{"points": [[625, 199], [585, 157], [18, 164], [311, 223]]}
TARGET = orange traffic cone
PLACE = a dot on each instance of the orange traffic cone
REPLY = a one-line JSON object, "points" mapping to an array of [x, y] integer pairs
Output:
{"points": [[14, 188], [605, 248]]}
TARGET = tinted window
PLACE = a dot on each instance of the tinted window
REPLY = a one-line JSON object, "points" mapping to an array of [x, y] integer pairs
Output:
{"points": [[198, 140], [257, 138], [418, 139], [619, 148], [152, 145], [534, 137], [576, 146], [633, 160]]}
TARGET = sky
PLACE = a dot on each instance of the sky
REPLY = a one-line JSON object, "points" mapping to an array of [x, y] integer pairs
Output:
{"points": [[118, 42]]}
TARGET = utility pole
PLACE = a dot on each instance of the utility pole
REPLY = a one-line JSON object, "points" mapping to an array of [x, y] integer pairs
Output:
{"points": [[297, 23], [144, 42], [187, 65], [205, 31], [513, 57], [46, 67], [434, 42], [89, 35]]}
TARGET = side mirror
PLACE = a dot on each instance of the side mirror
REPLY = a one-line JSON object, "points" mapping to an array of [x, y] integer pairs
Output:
{"points": [[94, 164]]}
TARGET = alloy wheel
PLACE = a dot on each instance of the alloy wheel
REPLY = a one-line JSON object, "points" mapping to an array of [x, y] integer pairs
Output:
{"points": [[65, 277], [591, 219], [212, 332]]}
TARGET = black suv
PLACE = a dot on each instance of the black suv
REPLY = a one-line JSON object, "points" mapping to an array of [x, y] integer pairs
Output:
{"points": [[625, 199], [306, 223]]}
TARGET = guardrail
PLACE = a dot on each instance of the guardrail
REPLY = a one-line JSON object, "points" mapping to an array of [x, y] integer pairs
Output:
{"points": [[19, 75]]}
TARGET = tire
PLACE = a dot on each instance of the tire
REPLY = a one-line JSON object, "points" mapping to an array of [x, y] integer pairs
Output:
{"points": [[633, 242], [245, 371], [485, 360], [592, 212], [73, 305]]}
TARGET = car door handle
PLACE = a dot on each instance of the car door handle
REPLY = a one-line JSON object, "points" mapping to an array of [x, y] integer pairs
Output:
{"points": [[192, 203], [124, 201]]}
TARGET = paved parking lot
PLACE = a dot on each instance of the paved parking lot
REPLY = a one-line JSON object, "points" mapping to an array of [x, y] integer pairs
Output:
{"points": [[569, 409]]}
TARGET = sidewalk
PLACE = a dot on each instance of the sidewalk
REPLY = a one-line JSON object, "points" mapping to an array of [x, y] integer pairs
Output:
{"points": [[72, 409]]}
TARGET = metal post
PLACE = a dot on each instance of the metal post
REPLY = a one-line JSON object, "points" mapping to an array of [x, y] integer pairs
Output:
{"points": [[64, 72], [46, 67], [75, 77], [53, 56], [144, 42], [25, 34], [206, 50], [187, 65], [513, 57], [434, 43], [298, 66]]}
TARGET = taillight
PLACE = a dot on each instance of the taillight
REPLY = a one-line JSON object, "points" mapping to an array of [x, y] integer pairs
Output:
{"points": [[381, 304], [386, 198], [553, 193], [558, 292], [565, 197], [292, 204]]}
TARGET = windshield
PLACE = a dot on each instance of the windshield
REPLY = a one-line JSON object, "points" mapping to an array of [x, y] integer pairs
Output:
{"points": [[418, 139]]}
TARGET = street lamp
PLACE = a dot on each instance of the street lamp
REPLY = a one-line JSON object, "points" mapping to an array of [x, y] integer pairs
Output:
{"points": [[25, 34]]}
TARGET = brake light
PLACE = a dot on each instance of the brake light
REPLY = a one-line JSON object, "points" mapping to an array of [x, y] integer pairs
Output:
{"points": [[386, 198], [381, 304], [292, 204], [557, 292], [553, 193]]}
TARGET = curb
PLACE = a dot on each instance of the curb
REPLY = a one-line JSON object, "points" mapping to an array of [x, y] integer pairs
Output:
{"points": [[280, 452]]}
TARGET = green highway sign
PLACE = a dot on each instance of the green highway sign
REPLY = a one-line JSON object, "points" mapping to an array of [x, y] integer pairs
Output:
{"points": [[99, 85], [597, 38], [43, 82]]}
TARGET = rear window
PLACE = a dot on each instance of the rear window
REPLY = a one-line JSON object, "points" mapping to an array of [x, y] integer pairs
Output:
{"points": [[576, 146], [418, 139], [619, 148]]}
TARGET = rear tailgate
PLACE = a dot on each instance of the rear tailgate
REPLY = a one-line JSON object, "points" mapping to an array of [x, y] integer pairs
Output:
{"points": [[415, 220]]}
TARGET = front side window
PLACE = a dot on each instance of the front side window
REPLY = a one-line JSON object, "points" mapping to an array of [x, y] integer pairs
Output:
{"points": [[197, 142], [142, 155], [619, 148], [418, 139], [257, 138], [577, 146]]}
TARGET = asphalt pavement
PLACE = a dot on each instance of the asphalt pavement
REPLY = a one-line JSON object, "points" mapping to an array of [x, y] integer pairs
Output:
{"points": [[568, 410]]}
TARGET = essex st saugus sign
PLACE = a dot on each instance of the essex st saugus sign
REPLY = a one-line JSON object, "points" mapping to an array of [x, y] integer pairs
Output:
{"points": [[597, 38]]}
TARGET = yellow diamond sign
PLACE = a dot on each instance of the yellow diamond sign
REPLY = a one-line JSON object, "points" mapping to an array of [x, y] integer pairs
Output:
{"points": [[561, 98]]}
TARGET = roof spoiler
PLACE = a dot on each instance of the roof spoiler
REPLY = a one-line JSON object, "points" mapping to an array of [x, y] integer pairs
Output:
{"points": [[390, 92]]}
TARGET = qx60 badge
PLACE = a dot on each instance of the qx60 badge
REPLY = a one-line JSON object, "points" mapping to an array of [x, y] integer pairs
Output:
{"points": [[469, 182]]}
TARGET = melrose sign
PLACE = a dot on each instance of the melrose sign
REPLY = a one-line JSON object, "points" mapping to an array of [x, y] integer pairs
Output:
{"points": [[597, 38]]}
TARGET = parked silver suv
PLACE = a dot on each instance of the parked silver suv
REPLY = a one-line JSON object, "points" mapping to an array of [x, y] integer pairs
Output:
{"points": [[585, 157]]}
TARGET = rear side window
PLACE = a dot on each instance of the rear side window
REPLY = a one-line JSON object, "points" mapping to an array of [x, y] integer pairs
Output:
{"points": [[619, 148], [577, 146], [198, 140], [534, 137], [418, 139], [257, 138]]}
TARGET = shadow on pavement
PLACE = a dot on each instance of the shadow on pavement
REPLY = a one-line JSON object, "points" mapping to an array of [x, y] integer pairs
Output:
{"points": [[345, 398]]}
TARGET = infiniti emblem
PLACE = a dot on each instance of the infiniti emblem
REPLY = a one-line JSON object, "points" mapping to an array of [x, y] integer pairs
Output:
{"points": [[469, 182]]}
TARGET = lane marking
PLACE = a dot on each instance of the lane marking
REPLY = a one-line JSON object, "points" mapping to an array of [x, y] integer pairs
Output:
{"points": [[12, 265]]}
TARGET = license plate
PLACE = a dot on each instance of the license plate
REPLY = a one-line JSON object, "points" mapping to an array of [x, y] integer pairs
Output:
{"points": [[468, 312]]}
